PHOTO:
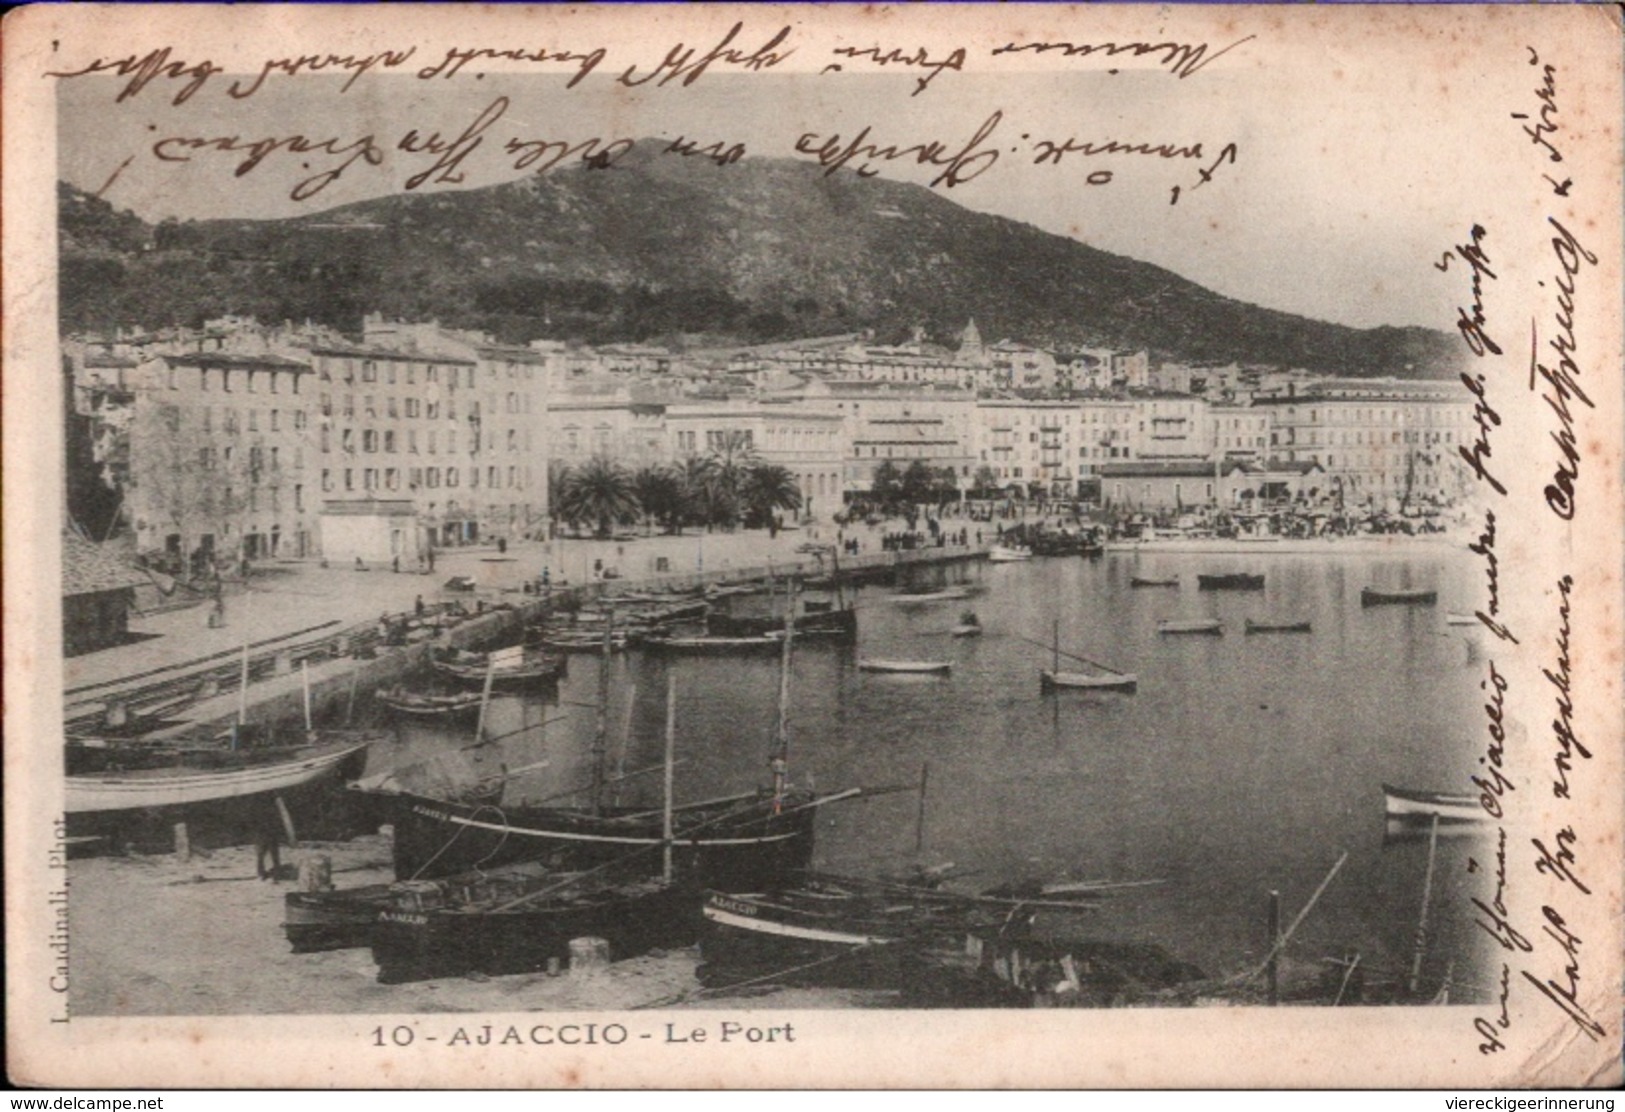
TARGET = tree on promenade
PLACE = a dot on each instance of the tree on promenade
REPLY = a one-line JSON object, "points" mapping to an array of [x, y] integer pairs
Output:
{"points": [[919, 483], [600, 491], [659, 491], [886, 487], [701, 494], [558, 481], [985, 483], [768, 487], [732, 457]]}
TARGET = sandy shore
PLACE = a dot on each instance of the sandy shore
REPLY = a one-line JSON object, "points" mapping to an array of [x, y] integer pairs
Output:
{"points": [[155, 935]]}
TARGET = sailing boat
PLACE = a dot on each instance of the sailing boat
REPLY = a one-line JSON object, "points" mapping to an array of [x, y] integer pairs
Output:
{"points": [[740, 841], [1106, 679], [522, 918]]}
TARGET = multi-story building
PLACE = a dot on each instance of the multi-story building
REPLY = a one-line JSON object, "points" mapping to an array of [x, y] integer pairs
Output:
{"points": [[1172, 427], [1053, 445], [1240, 432], [806, 443], [883, 422], [220, 450], [1131, 370], [1384, 442]]}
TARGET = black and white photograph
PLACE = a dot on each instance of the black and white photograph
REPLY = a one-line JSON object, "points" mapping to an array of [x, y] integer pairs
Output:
{"points": [[1013, 546]]}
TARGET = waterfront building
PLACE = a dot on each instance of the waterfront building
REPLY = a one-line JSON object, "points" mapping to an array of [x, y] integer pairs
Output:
{"points": [[1162, 486], [881, 422], [1240, 432], [805, 442], [1053, 446], [1387, 443], [1172, 427]]}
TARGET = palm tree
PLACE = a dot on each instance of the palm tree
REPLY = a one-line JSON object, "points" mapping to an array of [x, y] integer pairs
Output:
{"points": [[600, 491], [558, 482], [768, 487], [698, 481], [733, 457], [659, 491]]}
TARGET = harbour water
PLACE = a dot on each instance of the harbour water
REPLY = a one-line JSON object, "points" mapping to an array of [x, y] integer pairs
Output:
{"points": [[1243, 763]]}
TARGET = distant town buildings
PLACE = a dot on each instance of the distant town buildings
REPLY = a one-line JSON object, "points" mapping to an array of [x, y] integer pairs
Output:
{"points": [[246, 441]]}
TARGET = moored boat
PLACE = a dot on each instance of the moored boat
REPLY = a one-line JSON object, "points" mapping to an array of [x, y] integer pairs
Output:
{"points": [[1098, 681], [1455, 619], [1190, 625], [416, 704], [515, 668], [714, 646], [906, 667], [1372, 596], [826, 624], [1417, 807], [946, 594], [1231, 581], [1009, 554], [247, 772], [1251, 626], [969, 625], [1142, 581]]}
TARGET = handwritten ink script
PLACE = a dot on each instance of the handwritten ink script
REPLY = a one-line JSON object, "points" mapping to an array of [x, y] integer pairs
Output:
{"points": [[449, 151], [1543, 951]]}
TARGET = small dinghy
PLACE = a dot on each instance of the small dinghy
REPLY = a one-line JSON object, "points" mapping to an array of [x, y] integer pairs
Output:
{"points": [[906, 667], [1190, 625]]}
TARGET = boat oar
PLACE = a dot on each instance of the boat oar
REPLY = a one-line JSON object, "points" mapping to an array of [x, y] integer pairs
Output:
{"points": [[1072, 656]]}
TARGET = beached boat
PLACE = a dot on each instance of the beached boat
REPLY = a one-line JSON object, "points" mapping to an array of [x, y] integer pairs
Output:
{"points": [[1372, 596], [1232, 581], [1275, 627], [1190, 625], [335, 920], [519, 919], [415, 704], [1009, 554], [1141, 581], [906, 667], [245, 772]]}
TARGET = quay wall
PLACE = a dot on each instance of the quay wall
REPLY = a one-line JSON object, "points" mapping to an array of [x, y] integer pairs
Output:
{"points": [[341, 672]]}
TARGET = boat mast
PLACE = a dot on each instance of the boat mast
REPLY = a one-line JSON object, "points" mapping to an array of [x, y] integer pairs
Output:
{"points": [[671, 742], [781, 748], [600, 737], [1055, 657]]}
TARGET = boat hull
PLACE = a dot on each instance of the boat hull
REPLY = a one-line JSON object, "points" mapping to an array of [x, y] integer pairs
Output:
{"points": [[828, 625], [412, 945], [1370, 596], [1234, 582], [740, 845], [1276, 627], [1179, 627], [1050, 681], [337, 920], [162, 788], [1412, 806], [906, 667]]}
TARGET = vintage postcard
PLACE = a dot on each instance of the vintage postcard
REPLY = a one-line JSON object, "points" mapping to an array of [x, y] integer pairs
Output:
{"points": [[671, 546]]}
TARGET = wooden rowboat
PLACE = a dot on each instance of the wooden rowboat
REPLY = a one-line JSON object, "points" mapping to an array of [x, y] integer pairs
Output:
{"points": [[1415, 809], [276, 770], [1099, 681], [947, 594], [1190, 625], [1371, 596], [1234, 581], [906, 667], [1275, 627], [419, 705], [1141, 581], [1008, 554]]}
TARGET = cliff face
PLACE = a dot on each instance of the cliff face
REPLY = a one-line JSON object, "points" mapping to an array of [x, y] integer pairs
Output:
{"points": [[657, 245]]}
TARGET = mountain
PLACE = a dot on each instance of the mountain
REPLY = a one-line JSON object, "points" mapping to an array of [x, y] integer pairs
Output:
{"points": [[660, 245]]}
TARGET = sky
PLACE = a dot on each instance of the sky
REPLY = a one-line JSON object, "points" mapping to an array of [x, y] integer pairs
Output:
{"points": [[1351, 169]]}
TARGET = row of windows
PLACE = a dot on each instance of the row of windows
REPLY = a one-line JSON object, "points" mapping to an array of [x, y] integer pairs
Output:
{"points": [[392, 371], [233, 420], [391, 478], [260, 459], [249, 379], [389, 440]]}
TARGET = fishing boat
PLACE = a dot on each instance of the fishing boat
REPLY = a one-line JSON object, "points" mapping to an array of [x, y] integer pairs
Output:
{"points": [[828, 624], [246, 772], [849, 932], [1009, 554], [1141, 581], [1251, 626], [969, 625], [1415, 807], [335, 920], [740, 841], [580, 641], [1190, 625], [1372, 596], [415, 704], [515, 668], [520, 919], [1104, 679], [905, 667], [945, 594], [714, 646], [1232, 581]]}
